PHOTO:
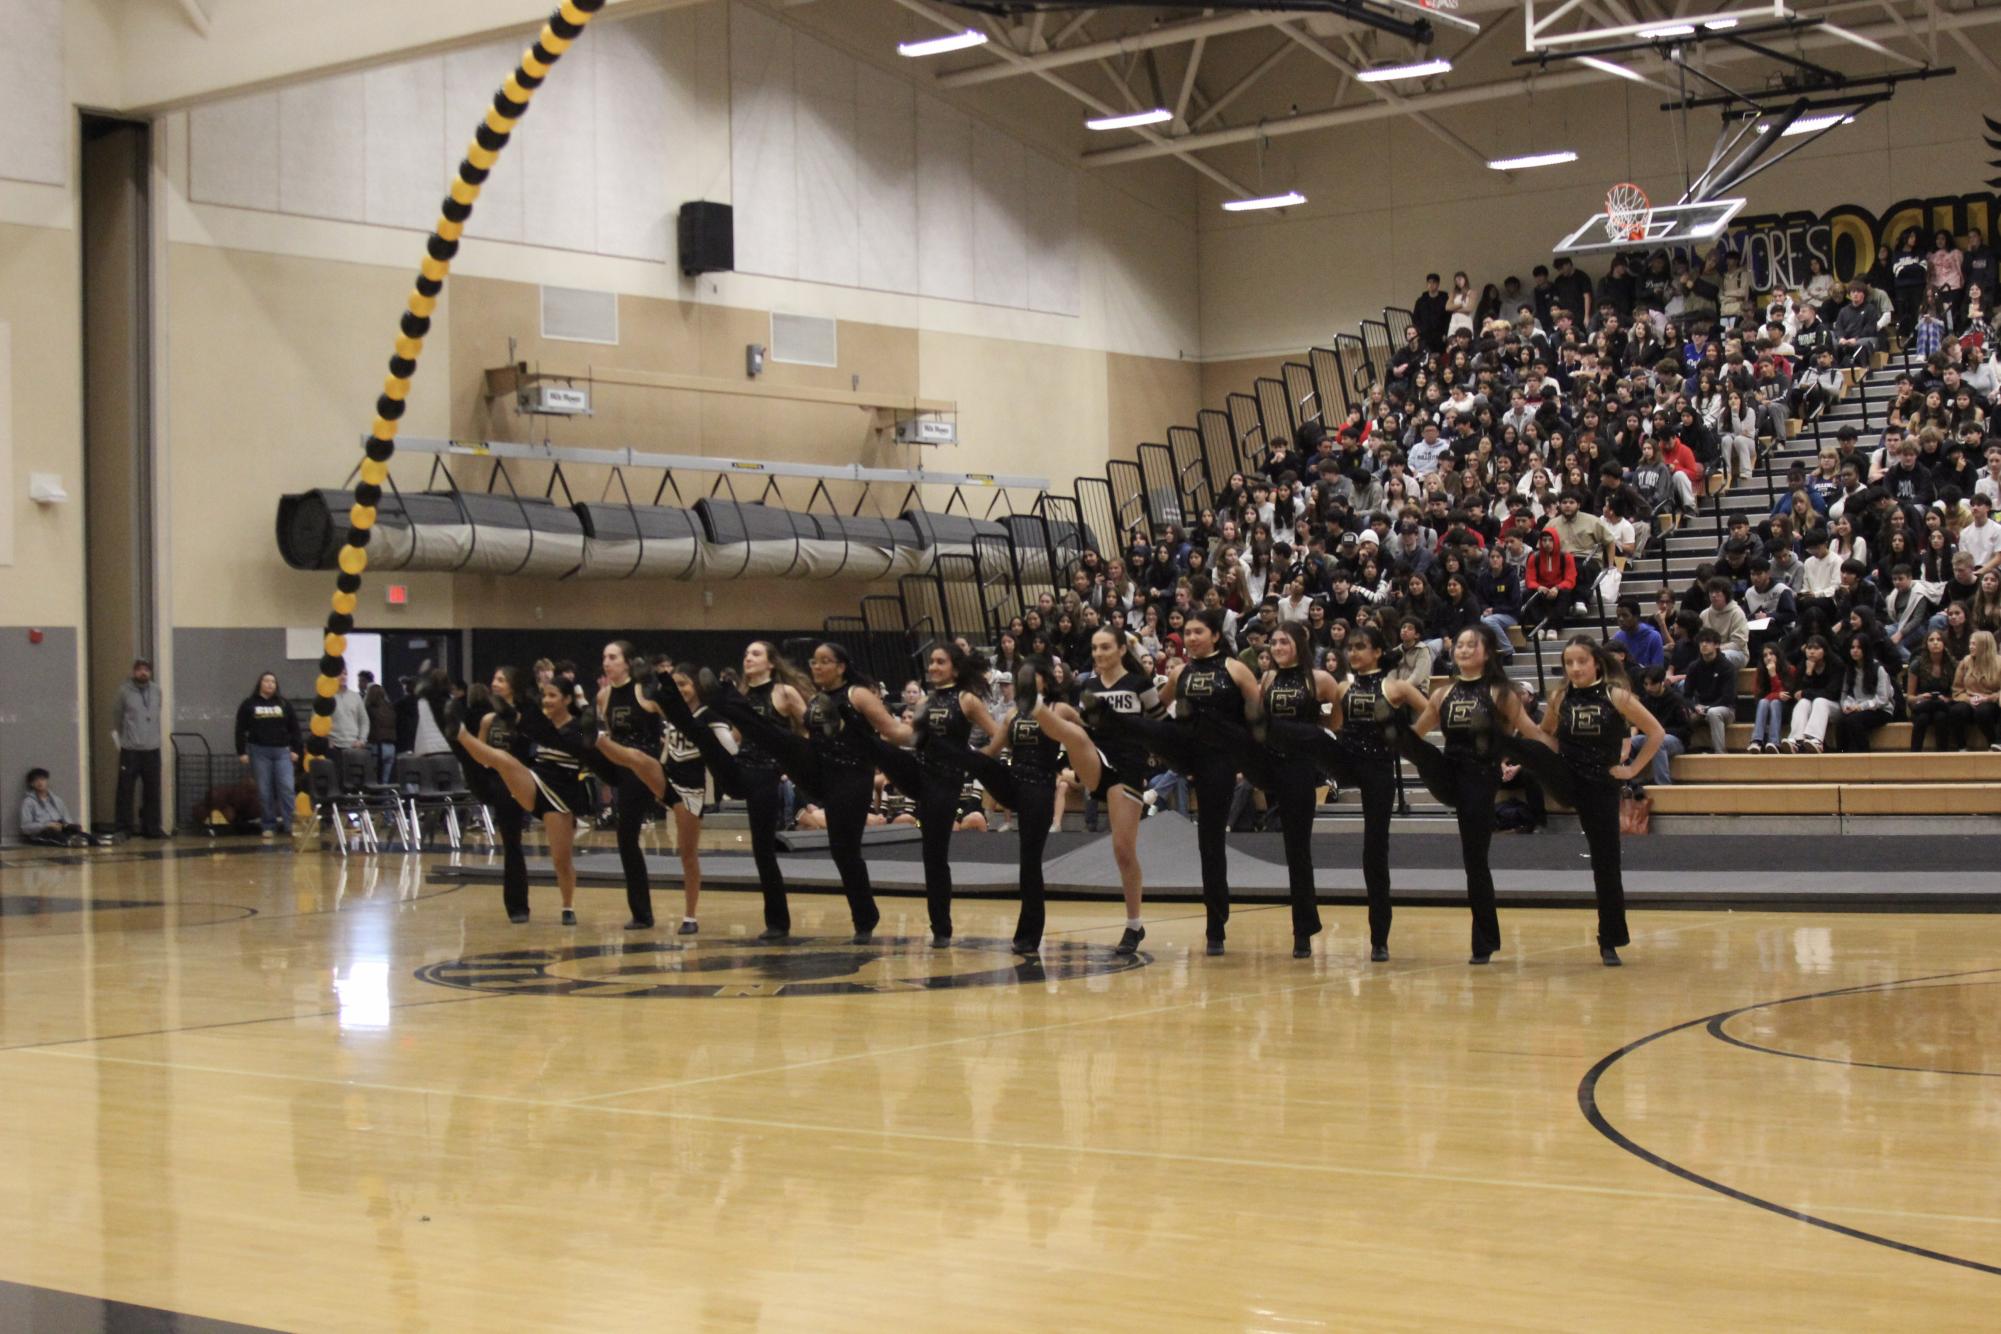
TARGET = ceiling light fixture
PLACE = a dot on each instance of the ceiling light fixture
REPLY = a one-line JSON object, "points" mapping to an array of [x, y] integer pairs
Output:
{"points": [[1153, 117], [1532, 160], [1420, 69], [1668, 30], [1720, 25], [1820, 120], [1286, 200], [938, 46], [1607, 67]]}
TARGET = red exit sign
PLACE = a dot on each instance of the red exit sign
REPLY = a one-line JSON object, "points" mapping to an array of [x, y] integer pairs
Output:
{"points": [[399, 595]]}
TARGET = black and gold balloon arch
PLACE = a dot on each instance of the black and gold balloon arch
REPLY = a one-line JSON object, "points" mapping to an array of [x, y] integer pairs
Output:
{"points": [[510, 104]]}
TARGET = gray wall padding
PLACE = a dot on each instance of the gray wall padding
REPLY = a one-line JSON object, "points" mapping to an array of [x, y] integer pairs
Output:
{"points": [[38, 721]]}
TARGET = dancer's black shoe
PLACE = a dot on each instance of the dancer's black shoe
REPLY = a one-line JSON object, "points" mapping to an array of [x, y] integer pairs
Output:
{"points": [[637, 925], [1609, 957], [1022, 946], [687, 927], [569, 917], [1379, 954], [588, 728], [773, 934], [1215, 948], [940, 942], [1302, 947], [1129, 942], [518, 918], [1479, 959], [454, 720]]}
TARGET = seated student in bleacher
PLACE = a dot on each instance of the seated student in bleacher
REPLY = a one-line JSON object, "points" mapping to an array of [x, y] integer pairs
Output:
{"points": [[1778, 682], [1552, 584], [1727, 619], [1928, 684], [1638, 637], [1711, 687], [1769, 606], [1670, 708], [1868, 694], [1976, 692], [1787, 567], [1819, 699]]}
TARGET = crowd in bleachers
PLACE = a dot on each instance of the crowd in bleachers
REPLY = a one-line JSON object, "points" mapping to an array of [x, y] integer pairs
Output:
{"points": [[1527, 444]]}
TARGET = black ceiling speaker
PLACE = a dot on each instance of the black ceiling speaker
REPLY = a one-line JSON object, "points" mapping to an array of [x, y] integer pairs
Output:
{"points": [[708, 238]]}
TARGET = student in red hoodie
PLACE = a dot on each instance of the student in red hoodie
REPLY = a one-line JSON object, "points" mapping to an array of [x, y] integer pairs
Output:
{"points": [[1682, 459], [1552, 583]]}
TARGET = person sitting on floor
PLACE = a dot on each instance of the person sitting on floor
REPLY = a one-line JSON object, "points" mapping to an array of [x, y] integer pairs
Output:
{"points": [[45, 819]]}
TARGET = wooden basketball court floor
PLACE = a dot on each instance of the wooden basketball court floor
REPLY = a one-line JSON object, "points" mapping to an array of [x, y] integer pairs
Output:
{"points": [[300, 1093]]}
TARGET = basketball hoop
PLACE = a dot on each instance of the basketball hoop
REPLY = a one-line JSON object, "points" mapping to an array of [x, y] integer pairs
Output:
{"points": [[1627, 212]]}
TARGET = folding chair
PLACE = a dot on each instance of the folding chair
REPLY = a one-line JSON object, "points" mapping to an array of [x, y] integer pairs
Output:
{"points": [[363, 798]]}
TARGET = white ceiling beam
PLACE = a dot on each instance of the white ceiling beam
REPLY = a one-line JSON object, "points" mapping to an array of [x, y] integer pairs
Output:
{"points": [[1188, 79], [1171, 34], [1386, 95], [1244, 85], [1071, 28], [1949, 23], [1151, 139]]}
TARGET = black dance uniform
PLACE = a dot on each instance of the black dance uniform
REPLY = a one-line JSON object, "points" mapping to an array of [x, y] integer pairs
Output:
{"points": [[843, 752], [1034, 762], [764, 800], [943, 727], [1589, 733], [1212, 698], [627, 723], [1292, 698], [505, 812], [1369, 727], [1472, 727]]}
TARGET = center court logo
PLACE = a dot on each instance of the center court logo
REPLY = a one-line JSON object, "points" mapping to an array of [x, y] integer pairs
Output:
{"points": [[752, 969]]}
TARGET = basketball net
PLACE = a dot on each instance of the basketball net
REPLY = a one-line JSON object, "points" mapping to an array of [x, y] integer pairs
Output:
{"points": [[1627, 213]]}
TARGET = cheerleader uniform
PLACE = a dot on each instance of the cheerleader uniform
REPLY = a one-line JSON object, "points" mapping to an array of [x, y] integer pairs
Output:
{"points": [[506, 813], [1122, 755], [627, 723]]}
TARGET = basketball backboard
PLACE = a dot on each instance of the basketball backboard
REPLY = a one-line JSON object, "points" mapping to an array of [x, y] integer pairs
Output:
{"points": [[1554, 26], [1664, 225]]}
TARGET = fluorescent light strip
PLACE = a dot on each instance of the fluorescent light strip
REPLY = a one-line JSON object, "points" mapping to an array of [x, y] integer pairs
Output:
{"points": [[1668, 30], [1532, 160], [1153, 117], [1422, 69], [1811, 124], [1607, 67], [1719, 25], [938, 46], [1286, 200]]}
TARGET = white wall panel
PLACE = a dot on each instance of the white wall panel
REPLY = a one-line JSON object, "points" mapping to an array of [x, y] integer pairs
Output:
{"points": [[635, 130], [233, 152], [886, 184], [555, 150], [1055, 281], [763, 144], [828, 218], [34, 106], [1000, 225], [944, 201], [323, 149], [407, 166], [470, 80]]}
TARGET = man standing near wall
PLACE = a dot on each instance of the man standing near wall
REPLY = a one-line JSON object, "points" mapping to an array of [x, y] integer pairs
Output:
{"points": [[138, 715], [350, 718]]}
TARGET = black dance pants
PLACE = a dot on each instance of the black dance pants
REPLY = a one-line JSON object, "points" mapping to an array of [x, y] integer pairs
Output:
{"points": [[632, 803], [846, 794], [764, 801], [1476, 783], [1597, 807], [1295, 788]]}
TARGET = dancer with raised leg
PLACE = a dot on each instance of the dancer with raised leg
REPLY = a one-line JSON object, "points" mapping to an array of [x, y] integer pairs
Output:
{"points": [[550, 785], [631, 721], [1476, 710], [694, 742], [942, 724], [494, 720], [836, 761], [1110, 765]]}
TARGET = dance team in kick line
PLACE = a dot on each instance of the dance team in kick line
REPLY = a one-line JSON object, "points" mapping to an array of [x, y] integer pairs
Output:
{"points": [[659, 733]]}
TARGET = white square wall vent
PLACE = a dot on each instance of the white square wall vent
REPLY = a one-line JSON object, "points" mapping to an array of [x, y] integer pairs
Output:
{"points": [[804, 340], [575, 315]]}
